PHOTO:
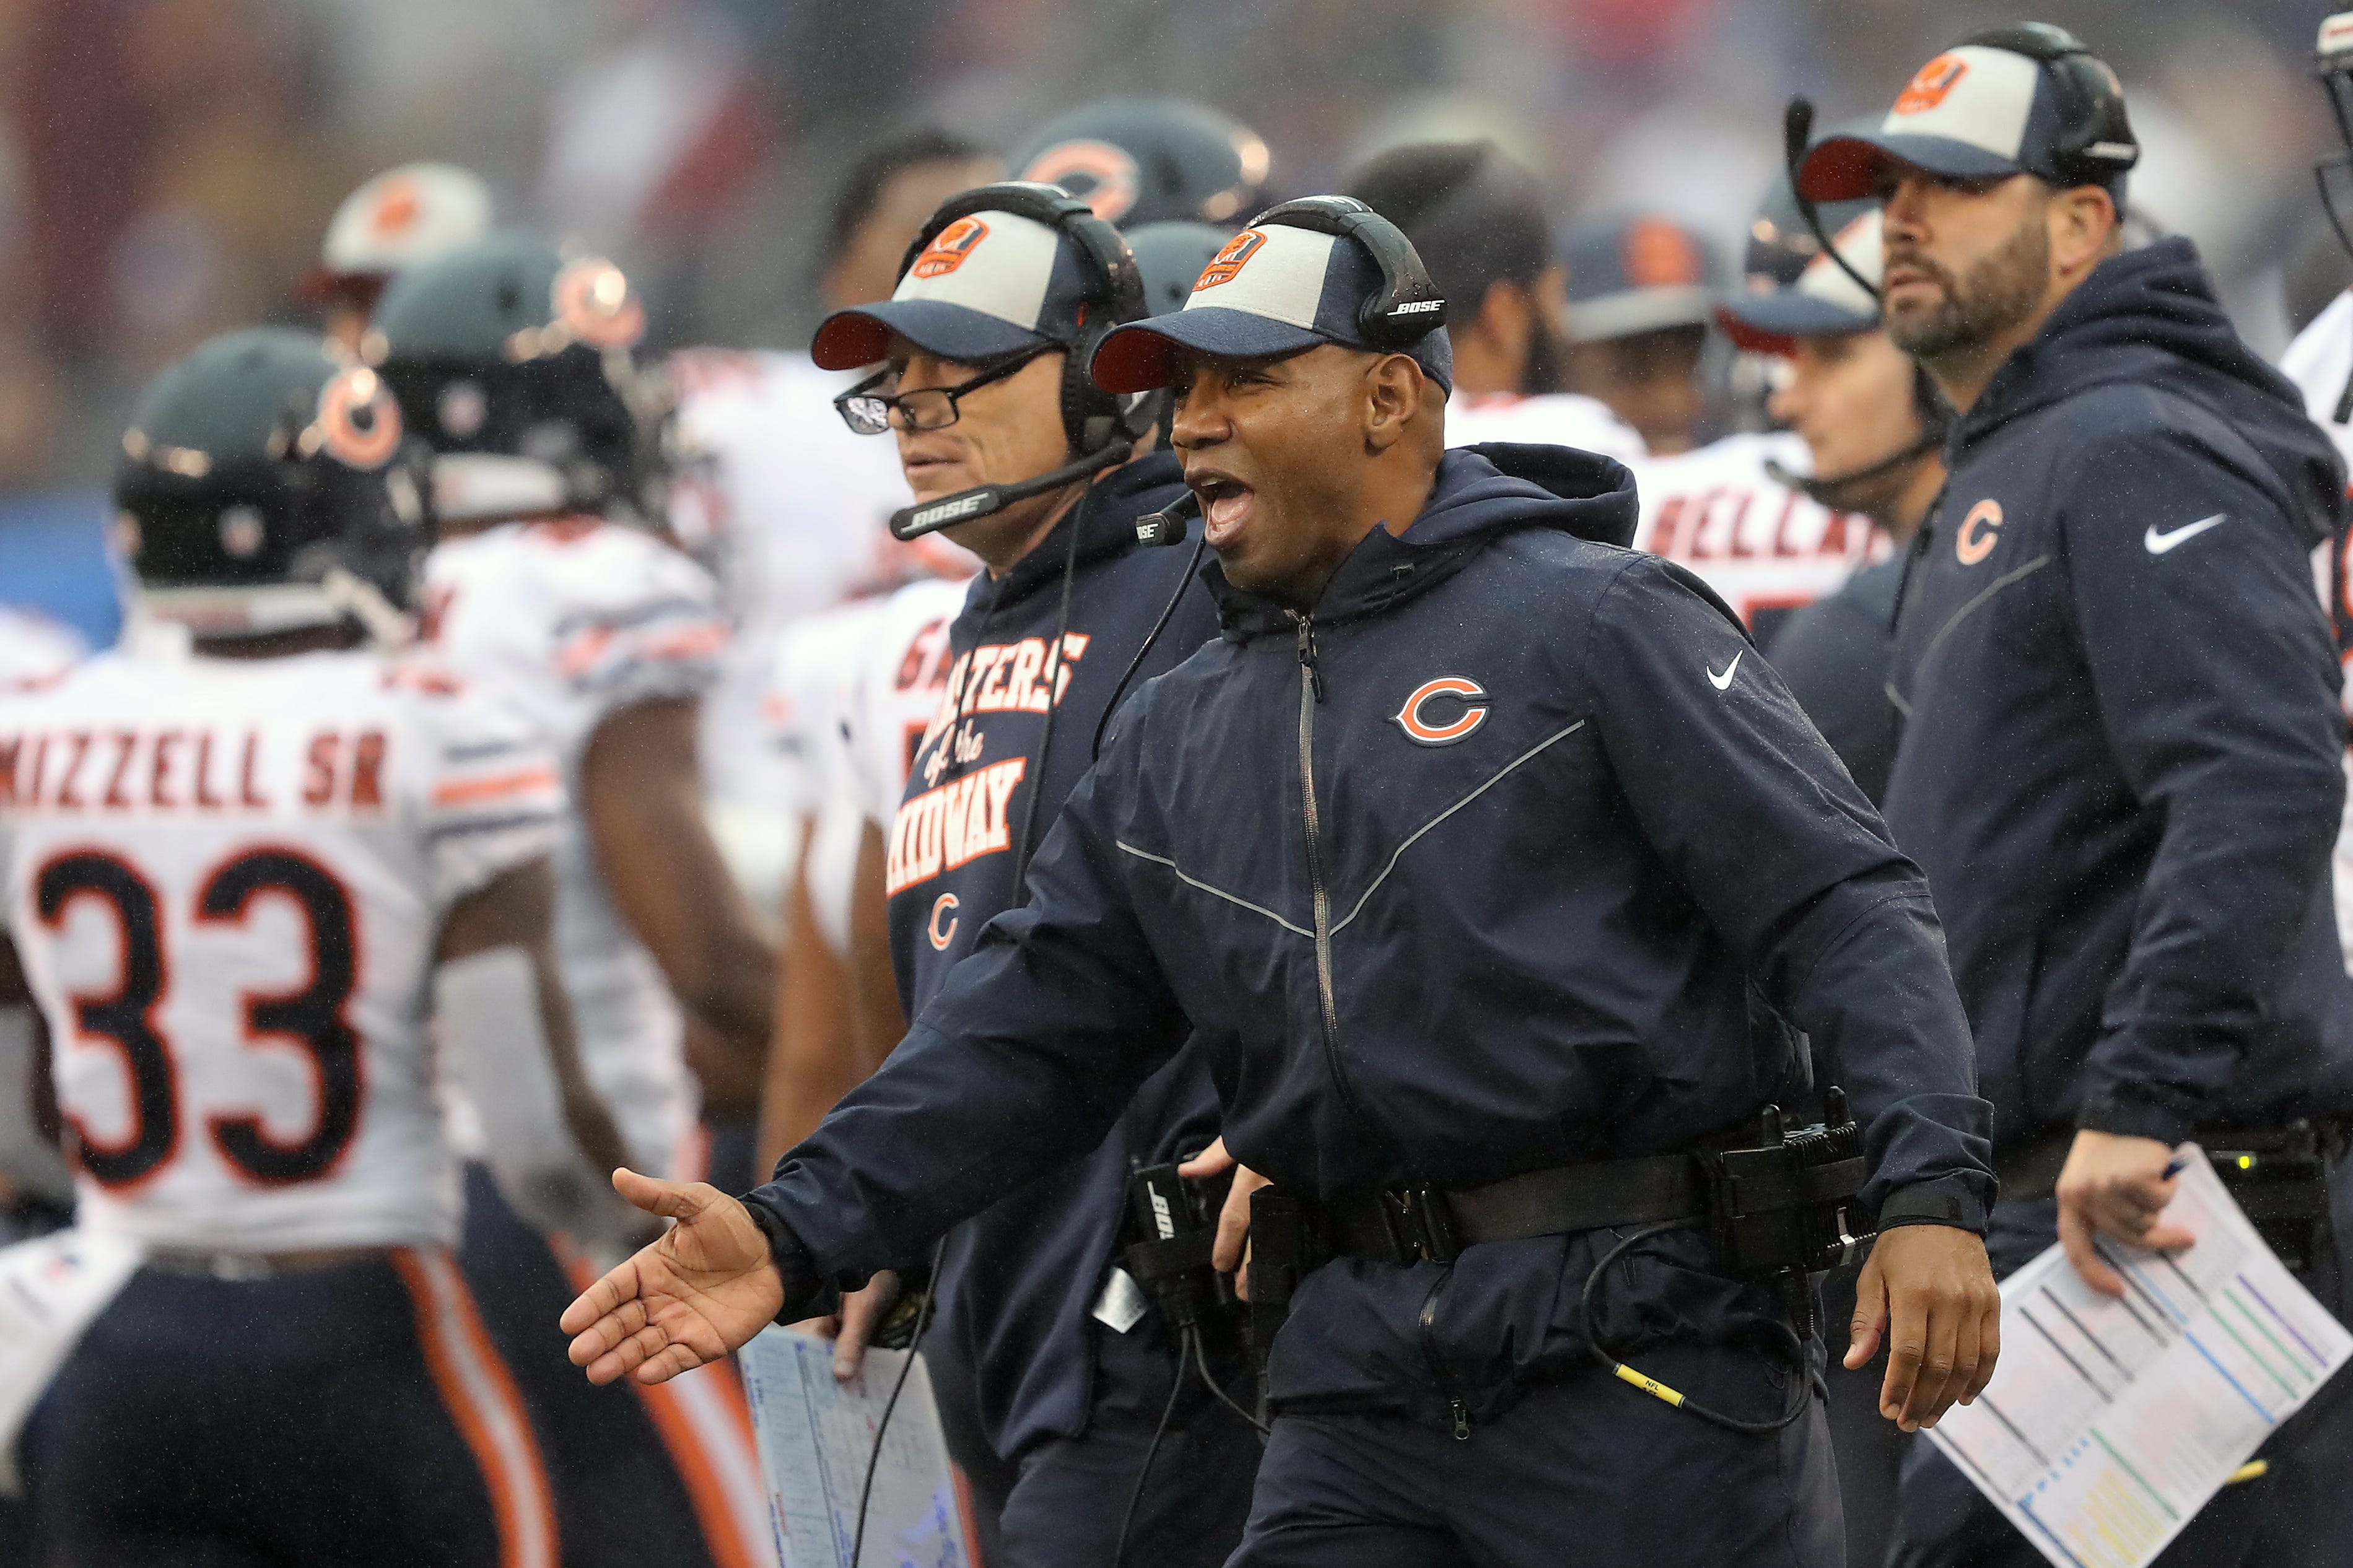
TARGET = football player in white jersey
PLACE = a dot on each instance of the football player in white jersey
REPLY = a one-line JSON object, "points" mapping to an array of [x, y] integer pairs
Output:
{"points": [[551, 588], [394, 220], [235, 864], [856, 690], [35, 652], [789, 505], [2320, 362], [1477, 220]]}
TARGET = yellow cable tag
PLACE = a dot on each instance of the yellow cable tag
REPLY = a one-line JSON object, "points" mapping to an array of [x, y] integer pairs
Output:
{"points": [[2252, 1470], [1649, 1385]]}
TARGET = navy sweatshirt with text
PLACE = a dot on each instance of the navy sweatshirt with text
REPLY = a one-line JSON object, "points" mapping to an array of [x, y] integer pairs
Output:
{"points": [[2120, 762], [1513, 854], [1018, 1282]]}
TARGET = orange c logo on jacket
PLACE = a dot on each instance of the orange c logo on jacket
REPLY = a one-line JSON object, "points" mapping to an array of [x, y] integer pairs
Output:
{"points": [[1981, 532], [1422, 731], [945, 904]]}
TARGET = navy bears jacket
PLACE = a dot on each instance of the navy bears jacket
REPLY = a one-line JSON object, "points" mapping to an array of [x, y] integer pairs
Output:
{"points": [[1018, 1282], [1514, 854], [2120, 760]]}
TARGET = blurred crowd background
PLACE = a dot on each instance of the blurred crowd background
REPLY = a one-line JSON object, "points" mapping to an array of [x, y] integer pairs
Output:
{"points": [[167, 166]]}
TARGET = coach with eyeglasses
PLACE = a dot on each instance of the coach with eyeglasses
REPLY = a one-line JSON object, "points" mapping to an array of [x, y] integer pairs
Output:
{"points": [[1051, 1365], [2120, 760], [1495, 874]]}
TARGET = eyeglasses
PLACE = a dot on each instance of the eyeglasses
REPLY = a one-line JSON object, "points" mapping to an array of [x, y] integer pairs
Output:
{"points": [[869, 412]]}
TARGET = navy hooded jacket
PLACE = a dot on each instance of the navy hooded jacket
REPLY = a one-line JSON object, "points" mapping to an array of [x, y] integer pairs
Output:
{"points": [[2120, 760], [1018, 1282], [1514, 854]]}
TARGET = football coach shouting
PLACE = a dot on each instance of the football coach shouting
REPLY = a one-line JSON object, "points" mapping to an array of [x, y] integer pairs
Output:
{"points": [[2120, 757], [1496, 874]]}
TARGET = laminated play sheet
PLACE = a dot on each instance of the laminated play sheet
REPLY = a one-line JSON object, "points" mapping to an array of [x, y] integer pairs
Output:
{"points": [[2111, 1422], [817, 1437]]}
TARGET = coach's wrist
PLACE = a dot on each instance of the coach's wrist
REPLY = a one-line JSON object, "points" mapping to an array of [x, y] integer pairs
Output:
{"points": [[806, 1294]]}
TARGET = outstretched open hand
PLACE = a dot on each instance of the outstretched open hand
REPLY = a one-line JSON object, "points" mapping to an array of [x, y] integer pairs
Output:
{"points": [[705, 1286]]}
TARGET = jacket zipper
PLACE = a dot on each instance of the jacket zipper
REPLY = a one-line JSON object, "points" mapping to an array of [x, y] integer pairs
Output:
{"points": [[1311, 692], [1454, 1405]]}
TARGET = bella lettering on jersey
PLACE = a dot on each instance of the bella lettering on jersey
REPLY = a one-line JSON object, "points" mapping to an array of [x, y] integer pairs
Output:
{"points": [[943, 828], [72, 771], [1717, 525]]}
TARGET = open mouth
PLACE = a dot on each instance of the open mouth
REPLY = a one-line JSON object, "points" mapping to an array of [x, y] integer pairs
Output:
{"points": [[1225, 504]]}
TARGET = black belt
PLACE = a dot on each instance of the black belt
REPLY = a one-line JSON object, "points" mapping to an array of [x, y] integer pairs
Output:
{"points": [[2031, 1169], [1407, 1225]]}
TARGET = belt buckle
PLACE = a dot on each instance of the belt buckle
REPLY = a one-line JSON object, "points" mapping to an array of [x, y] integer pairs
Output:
{"points": [[1420, 1223]]}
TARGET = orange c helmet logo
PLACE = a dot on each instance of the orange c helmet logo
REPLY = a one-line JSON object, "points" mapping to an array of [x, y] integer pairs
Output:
{"points": [[358, 422], [945, 904], [1422, 733], [1979, 532], [949, 247], [1098, 174], [1927, 89], [1230, 259], [595, 304]]}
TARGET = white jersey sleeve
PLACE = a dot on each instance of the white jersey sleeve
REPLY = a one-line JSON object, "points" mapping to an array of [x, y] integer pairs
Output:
{"points": [[568, 623], [33, 649], [817, 668], [227, 880], [491, 798], [895, 698], [2320, 362], [1554, 419]]}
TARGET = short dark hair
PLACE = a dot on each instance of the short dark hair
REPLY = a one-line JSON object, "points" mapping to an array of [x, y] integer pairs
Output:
{"points": [[861, 187], [1475, 215]]}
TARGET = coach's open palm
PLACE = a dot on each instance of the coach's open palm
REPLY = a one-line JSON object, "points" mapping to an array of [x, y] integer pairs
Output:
{"points": [[705, 1287]]}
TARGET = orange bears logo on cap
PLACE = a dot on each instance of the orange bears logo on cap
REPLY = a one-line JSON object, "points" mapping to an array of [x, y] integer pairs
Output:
{"points": [[1230, 259], [1659, 255], [1098, 174], [1927, 89], [949, 247], [396, 205], [593, 303]]}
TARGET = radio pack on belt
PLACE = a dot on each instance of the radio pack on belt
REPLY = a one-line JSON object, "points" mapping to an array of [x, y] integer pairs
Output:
{"points": [[1174, 1220], [2279, 1178], [1777, 1204]]}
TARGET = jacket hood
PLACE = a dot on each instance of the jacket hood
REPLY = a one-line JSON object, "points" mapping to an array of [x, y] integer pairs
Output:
{"points": [[1105, 519], [1481, 494], [2149, 317]]}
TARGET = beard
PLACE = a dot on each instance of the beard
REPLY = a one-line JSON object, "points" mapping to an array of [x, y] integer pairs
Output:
{"points": [[1545, 369], [1999, 293]]}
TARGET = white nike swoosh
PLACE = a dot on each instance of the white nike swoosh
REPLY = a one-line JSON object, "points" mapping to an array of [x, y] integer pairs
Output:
{"points": [[1724, 683], [2158, 544]]}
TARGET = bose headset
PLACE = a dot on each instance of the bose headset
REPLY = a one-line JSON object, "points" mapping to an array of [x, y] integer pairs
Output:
{"points": [[1102, 429], [2095, 141]]}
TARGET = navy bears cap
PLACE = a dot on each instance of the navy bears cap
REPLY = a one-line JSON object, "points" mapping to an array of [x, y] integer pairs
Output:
{"points": [[1269, 293], [1977, 111], [989, 284]]}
